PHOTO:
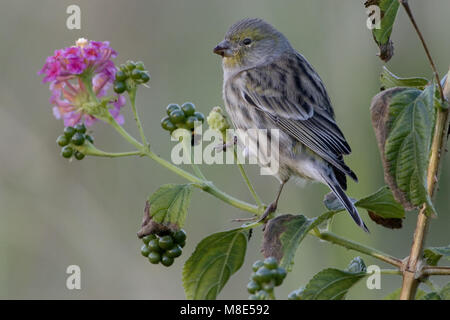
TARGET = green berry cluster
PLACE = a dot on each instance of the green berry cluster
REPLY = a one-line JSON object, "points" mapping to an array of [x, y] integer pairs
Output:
{"points": [[129, 75], [164, 248], [266, 276], [296, 294], [181, 117], [73, 136]]}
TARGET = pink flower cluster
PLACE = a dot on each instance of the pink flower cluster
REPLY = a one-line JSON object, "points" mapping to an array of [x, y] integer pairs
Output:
{"points": [[70, 70]]}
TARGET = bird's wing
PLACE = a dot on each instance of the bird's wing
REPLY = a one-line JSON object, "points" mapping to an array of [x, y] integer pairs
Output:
{"points": [[301, 109]]}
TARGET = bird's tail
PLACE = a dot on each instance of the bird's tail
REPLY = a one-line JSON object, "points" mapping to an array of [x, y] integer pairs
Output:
{"points": [[345, 200]]}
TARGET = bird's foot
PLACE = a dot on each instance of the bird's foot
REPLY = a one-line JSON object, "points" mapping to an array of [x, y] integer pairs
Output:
{"points": [[269, 210]]}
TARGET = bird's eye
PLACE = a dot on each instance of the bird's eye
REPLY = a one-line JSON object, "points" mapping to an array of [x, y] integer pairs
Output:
{"points": [[247, 41]]}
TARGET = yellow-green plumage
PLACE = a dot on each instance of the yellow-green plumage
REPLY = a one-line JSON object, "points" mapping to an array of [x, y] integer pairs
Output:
{"points": [[269, 85]]}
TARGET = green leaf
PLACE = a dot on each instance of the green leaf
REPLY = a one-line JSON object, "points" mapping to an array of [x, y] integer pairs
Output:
{"points": [[445, 292], [431, 296], [383, 204], [388, 11], [333, 284], [390, 80], [284, 234], [214, 260], [395, 295], [403, 120], [434, 254], [168, 205], [408, 145]]}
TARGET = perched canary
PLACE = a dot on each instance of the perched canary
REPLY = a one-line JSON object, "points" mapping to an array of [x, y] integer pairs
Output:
{"points": [[269, 85]]}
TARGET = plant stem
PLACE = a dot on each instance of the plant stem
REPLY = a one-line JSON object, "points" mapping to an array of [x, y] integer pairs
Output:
{"points": [[407, 8], [132, 95], [412, 265], [352, 245], [438, 271], [247, 180]]}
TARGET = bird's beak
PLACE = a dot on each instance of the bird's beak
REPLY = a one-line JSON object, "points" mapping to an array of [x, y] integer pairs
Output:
{"points": [[224, 49]]}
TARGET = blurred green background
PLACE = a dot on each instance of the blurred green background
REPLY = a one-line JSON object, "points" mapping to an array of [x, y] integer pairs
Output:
{"points": [[54, 213]]}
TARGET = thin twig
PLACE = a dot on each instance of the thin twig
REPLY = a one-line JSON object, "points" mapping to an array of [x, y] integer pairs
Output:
{"points": [[407, 8], [437, 271], [349, 244]]}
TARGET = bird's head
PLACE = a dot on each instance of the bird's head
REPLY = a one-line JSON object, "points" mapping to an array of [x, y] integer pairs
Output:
{"points": [[250, 42]]}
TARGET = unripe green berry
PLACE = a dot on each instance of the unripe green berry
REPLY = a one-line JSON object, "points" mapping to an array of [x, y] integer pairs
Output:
{"points": [[166, 260], [121, 76], [188, 109], [175, 252], [140, 65], [77, 139], [147, 238], [136, 74], [279, 274], [80, 127], [89, 138], [119, 87], [182, 243], [171, 107], [69, 132], [78, 155], [145, 251], [200, 116], [166, 124], [123, 68], [144, 77], [253, 286], [258, 264], [262, 295], [190, 122], [130, 65], [165, 242], [62, 141], [179, 236], [67, 152], [271, 263], [154, 257], [177, 116], [263, 275], [154, 246]]}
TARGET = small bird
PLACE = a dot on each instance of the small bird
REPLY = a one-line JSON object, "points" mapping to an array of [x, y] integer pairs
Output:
{"points": [[268, 85]]}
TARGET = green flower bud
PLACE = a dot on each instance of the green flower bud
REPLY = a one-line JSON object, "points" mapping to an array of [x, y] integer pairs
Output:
{"points": [[130, 65], [263, 275], [217, 120], [190, 122], [89, 138], [200, 116]]}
